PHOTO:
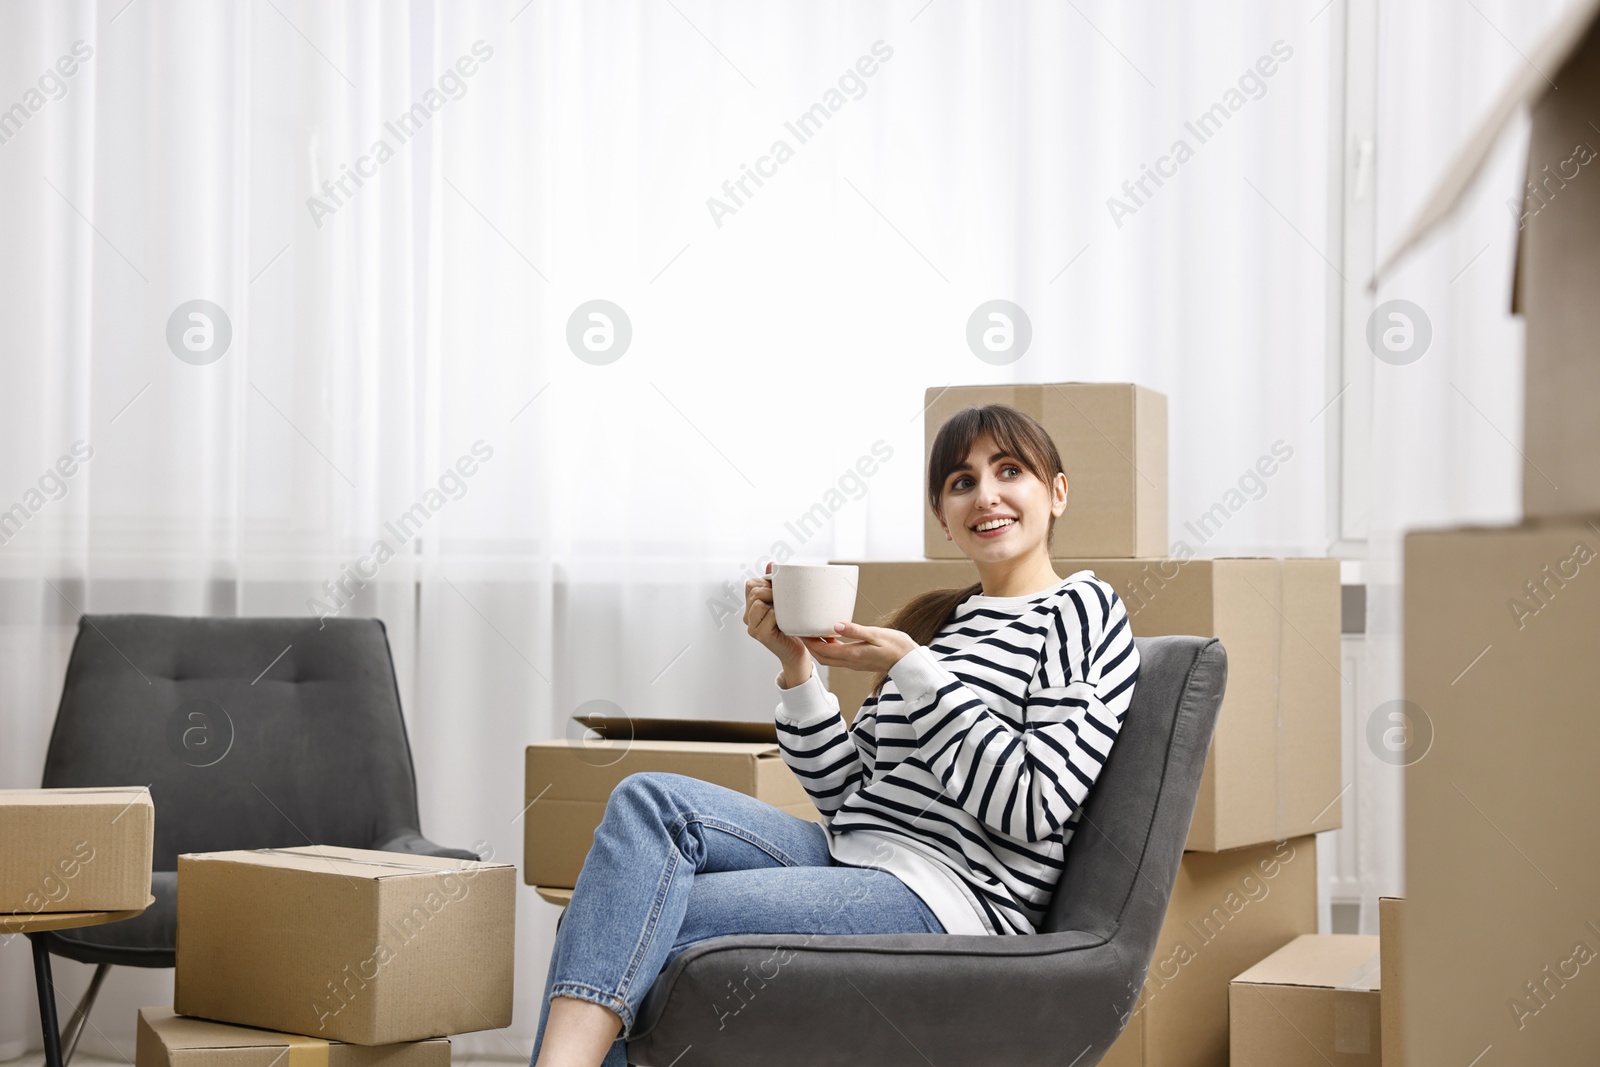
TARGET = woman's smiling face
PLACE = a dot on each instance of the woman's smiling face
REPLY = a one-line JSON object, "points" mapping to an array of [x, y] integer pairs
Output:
{"points": [[992, 486]]}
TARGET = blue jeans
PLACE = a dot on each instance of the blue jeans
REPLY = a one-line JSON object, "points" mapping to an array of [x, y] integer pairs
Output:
{"points": [[676, 861]]}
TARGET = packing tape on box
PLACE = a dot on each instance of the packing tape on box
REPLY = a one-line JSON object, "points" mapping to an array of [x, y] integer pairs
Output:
{"points": [[1280, 821], [1364, 976], [1280, 772], [1357, 1027], [305, 1051]]}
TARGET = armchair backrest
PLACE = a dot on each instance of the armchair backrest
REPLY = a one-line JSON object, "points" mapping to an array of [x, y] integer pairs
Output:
{"points": [[250, 732], [1123, 859]]}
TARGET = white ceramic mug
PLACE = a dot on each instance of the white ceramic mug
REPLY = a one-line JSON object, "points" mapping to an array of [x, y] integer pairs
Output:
{"points": [[808, 598]]}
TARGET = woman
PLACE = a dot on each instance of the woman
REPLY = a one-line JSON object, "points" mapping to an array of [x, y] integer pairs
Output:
{"points": [[947, 802]]}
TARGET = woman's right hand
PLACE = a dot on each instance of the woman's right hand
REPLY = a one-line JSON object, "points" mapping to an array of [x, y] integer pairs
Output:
{"points": [[762, 622]]}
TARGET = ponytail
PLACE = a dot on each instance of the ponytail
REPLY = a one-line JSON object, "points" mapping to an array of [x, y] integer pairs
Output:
{"points": [[923, 616]]}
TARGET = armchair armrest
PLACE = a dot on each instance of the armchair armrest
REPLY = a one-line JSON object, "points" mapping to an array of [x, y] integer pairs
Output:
{"points": [[413, 843]]}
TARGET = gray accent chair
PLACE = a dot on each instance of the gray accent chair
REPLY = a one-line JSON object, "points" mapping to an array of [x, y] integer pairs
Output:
{"points": [[1057, 997], [250, 733]]}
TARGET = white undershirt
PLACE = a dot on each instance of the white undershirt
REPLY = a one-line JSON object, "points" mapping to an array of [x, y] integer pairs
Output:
{"points": [[944, 894], [915, 864]]}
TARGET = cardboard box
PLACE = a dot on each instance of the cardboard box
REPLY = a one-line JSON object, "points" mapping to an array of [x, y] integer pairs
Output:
{"points": [[1228, 910], [1113, 443], [345, 944], [1312, 1003], [169, 1040], [75, 849], [1392, 1003], [1274, 767], [570, 781], [1502, 932], [1557, 266]]}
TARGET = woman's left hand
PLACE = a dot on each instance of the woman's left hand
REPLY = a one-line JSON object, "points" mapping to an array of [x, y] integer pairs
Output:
{"points": [[867, 648]]}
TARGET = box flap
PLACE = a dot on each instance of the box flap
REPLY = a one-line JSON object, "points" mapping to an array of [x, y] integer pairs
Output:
{"points": [[716, 748], [1529, 82], [1391, 1002], [183, 1032], [623, 728], [1327, 961], [346, 862], [554, 895]]}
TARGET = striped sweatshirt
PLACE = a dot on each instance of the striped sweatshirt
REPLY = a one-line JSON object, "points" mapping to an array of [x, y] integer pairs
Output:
{"points": [[964, 776]]}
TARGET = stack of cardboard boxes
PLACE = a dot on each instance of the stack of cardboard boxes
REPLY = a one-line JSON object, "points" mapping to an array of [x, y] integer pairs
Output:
{"points": [[323, 945], [318, 951]]}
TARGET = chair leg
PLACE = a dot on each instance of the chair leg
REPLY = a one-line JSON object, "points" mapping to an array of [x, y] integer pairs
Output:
{"points": [[80, 1017], [47, 1002]]}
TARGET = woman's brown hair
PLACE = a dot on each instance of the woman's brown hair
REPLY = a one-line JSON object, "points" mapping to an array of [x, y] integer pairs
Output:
{"points": [[1017, 434]]}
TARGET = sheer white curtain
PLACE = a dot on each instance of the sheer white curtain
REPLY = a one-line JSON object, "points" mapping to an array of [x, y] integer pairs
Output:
{"points": [[1449, 428], [536, 157]]}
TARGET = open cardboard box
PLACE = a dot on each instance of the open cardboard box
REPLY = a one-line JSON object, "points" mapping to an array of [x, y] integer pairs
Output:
{"points": [[1273, 771], [568, 782], [1557, 272]]}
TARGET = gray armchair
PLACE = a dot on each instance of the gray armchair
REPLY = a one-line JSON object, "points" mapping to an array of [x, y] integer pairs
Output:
{"points": [[1058, 997], [250, 733]]}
